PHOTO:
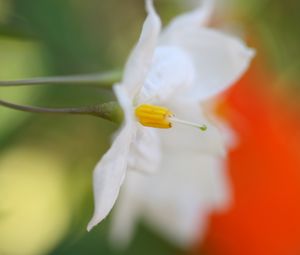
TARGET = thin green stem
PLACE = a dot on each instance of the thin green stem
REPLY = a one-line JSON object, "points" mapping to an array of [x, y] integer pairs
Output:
{"points": [[103, 80], [109, 111]]}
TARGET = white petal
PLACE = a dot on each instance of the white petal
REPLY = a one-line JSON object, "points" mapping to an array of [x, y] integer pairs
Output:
{"points": [[172, 72], [110, 171], [189, 139], [145, 151], [188, 188], [196, 18], [220, 60], [139, 61], [126, 213], [125, 102], [109, 175]]}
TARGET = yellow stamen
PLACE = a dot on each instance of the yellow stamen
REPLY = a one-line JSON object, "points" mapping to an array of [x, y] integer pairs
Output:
{"points": [[161, 117], [153, 116]]}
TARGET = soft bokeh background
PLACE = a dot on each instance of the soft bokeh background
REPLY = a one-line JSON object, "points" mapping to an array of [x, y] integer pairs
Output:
{"points": [[46, 162]]}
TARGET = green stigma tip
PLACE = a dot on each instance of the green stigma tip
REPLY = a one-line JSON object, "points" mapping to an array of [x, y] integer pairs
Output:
{"points": [[203, 128]]}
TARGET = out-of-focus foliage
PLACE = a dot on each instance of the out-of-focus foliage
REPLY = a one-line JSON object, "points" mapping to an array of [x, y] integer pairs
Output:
{"points": [[34, 210], [14, 63], [274, 26]]}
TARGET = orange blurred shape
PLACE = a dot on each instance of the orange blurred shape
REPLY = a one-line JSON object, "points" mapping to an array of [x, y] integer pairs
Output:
{"points": [[265, 173]]}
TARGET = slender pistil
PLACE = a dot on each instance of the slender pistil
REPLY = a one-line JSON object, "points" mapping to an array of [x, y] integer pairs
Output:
{"points": [[188, 123]]}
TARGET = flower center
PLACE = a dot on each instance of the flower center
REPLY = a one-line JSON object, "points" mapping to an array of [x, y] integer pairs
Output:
{"points": [[160, 117]]}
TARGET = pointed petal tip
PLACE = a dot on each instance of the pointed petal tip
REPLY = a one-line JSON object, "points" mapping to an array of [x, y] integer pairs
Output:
{"points": [[150, 6], [248, 52], [251, 52], [94, 222], [152, 13], [91, 224], [89, 227], [207, 6]]}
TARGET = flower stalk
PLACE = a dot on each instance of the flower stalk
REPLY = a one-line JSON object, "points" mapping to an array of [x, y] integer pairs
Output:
{"points": [[110, 111], [103, 80]]}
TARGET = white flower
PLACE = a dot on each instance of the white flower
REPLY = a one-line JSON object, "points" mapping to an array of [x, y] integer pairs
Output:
{"points": [[175, 202], [175, 70]]}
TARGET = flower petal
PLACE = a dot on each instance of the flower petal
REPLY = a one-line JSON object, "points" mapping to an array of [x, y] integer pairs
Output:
{"points": [[110, 171], [196, 18], [219, 59], [145, 151], [189, 187], [127, 211], [109, 175], [141, 57], [172, 72]]}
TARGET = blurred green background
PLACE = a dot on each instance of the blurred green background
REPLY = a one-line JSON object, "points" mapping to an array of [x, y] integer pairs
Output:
{"points": [[46, 162]]}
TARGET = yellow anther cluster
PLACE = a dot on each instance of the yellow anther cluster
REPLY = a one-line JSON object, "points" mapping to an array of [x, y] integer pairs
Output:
{"points": [[153, 116]]}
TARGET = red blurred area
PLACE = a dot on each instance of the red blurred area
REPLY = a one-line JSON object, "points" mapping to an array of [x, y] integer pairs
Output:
{"points": [[265, 173]]}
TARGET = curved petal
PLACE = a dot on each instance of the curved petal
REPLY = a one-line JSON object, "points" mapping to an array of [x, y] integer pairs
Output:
{"points": [[141, 57], [196, 18], [145, 151], [126, 214], [125, 102], [110, 171], [219, 59], [109, 175], [172, 72], [189, 187]]}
